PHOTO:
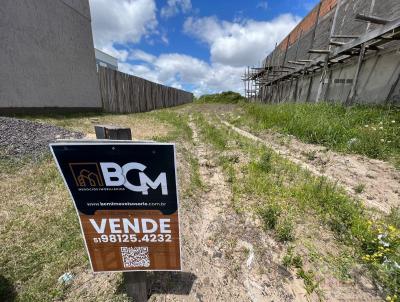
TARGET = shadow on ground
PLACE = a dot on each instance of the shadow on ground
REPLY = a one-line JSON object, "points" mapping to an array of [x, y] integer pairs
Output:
{"points": [[7, 290], [178, 283]]}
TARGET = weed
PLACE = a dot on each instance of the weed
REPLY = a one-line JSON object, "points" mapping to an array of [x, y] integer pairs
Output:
{"points": [[394, 217], [307, 194], [290, 259], [195, 179], [212, 134], [359, 188], [309, 280], [264, 162], [178, 121], [285, 230], [269, 214]]}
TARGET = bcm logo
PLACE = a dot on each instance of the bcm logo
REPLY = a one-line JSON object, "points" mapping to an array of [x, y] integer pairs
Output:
{"points": [[114, 176]]}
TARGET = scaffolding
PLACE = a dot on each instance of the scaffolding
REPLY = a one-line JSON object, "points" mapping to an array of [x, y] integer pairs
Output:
{"points": [[258, 79]]}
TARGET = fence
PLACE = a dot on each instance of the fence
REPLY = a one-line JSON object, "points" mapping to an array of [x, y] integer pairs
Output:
{"points": [[123, 93]]}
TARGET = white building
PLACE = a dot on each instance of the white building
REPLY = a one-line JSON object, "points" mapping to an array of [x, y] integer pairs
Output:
{"points": [[105, 60]]}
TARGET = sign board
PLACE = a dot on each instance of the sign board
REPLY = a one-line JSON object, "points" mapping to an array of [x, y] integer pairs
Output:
{"points": [[125, 194]]}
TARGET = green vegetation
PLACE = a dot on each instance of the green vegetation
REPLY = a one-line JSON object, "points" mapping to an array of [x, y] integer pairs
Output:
{"points": [[291, 259], [179, 123], [359, 188], [213, 135], [287, 194], [33, 254], [269, 214], [373, 131], [224, 97], [309, 280]]}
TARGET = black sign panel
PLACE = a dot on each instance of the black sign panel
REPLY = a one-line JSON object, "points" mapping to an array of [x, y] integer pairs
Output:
{"points": [[119, 176]]}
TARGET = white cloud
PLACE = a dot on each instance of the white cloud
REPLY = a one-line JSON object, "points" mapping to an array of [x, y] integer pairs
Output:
{"points": [[121, 21], [179, 70], [243, 43], [138, 54], [174, 7]]}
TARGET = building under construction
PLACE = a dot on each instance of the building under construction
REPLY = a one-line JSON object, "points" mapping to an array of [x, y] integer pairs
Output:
{"points": [[343, 50]]}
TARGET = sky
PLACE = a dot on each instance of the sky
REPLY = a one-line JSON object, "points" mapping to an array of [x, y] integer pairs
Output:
{"points": [[202, 46]]}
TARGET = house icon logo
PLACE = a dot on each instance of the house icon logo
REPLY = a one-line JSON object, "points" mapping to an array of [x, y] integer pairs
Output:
{"points": [[86, 175]]}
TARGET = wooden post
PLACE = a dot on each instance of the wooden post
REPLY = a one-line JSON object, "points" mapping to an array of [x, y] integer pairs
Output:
{"points": [[353, 91], [112, 132], [326, 62], [294, 93], [135, 282]]}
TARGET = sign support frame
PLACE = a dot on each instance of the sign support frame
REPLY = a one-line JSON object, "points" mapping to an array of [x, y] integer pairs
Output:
{"points": [[135, 282]]}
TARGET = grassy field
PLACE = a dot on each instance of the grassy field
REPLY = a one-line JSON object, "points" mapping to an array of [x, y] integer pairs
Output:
{"points": [[284, 194]]}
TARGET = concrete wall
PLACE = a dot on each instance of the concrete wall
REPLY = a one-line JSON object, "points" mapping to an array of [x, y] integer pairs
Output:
{"points": [[47, 55], [379, 76]]}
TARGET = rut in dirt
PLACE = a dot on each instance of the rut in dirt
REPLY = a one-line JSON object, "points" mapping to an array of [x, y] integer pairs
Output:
{"points": [[226, 262]]}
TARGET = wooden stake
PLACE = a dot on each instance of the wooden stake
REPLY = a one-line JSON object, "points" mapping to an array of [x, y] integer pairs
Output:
{"points": [[353, 92], [135, 282], [326, 62]]}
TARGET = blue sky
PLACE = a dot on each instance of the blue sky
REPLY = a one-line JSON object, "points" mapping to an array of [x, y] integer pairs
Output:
{"points": [[201, 46]]}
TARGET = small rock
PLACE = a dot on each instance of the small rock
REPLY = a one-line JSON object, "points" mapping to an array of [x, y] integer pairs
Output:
{"points": [[217, 254]]}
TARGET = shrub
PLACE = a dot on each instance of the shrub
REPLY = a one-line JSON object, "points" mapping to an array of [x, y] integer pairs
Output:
{"points": [[290, 259], [264, 163], [270, 214], [285, 230]]}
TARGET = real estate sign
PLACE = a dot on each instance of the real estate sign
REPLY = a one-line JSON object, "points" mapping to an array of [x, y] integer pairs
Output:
{"points": [[125, 194]]}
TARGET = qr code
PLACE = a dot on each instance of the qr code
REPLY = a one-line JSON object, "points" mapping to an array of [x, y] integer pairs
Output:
{"points": [[135, 256]]}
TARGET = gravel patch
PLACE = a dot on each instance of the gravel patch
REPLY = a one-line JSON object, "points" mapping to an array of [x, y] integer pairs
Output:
{"points": [[20, 138]]}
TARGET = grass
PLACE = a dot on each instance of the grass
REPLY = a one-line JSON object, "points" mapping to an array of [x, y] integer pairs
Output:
{"points": [[179, 123], [39, 229], [291, 259], [287, 194], [269, 214], [309, 280], [41, 238], [359, 188], [373, 131]]}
